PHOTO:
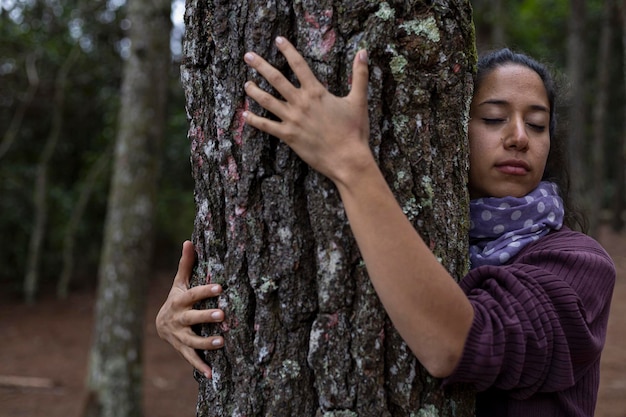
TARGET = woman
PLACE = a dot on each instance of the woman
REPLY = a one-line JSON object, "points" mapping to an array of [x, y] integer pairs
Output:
{"points": [[527, 325]]}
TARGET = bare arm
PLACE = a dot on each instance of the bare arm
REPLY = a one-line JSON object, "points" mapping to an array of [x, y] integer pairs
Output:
{"points": [[331, 134]]}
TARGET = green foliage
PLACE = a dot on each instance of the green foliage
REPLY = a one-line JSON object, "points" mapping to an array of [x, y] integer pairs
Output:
{"points": [[44, 32], [536, 27], [539, 26]]}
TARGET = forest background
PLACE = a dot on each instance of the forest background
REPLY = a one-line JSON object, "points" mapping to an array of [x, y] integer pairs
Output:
{"points": [[79, 47], [60, 93]]}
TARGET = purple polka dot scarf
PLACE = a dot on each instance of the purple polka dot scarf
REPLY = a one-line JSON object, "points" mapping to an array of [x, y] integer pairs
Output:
{"points": [[501, 227]]}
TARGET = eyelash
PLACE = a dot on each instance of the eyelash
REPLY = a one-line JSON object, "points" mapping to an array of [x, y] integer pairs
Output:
{"points": [[537, 128]]}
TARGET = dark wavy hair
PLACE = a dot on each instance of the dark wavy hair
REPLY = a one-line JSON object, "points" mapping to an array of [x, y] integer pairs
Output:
{"points": [[557, 167]]}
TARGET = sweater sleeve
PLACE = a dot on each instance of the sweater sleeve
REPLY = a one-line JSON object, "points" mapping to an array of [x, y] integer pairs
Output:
{"points": [[540, 321]]}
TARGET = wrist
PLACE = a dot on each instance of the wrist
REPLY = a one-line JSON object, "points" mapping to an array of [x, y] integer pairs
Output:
{"points": [[356, 171]]}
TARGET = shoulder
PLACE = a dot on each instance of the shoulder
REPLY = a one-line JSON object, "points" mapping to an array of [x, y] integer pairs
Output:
{"points": [[567, 241], [567, 266], [564, 253], [568, 252]]}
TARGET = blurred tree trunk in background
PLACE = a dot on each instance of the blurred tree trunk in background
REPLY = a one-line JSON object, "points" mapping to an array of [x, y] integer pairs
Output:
{"points": [[16, 121], [576, 60], [115, 369], [599, 180], [96, 171], [491, 33], [498, 22], [305, 332], [40, 193], [619, 202]]}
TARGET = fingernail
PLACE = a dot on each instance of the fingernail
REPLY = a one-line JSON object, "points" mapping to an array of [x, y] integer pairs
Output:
{"points": [[216, 315], [244, 114], [363, 56], [279, 40], [215, 289], [248, 57], [217, 342]]}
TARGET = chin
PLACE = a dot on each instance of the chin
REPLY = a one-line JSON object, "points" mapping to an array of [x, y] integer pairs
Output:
{"points": [[516, 191]]}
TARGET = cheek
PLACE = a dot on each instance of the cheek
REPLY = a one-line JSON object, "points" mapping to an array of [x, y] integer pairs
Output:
{"points": [[545, 151], [477, 147]]}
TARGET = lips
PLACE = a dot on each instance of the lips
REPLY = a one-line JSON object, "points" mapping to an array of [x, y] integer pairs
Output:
{"points": [[513, 167]]}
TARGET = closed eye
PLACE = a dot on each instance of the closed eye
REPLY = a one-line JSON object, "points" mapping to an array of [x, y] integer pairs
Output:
{"points": [[536, 128], [493, 121]]}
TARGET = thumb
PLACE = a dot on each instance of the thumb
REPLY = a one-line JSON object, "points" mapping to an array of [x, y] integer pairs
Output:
{"points": [[185, 265], [360, 75]]}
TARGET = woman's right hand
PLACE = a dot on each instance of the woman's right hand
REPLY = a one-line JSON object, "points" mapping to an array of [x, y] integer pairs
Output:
{"points": [[328, 132], [177, 316]]}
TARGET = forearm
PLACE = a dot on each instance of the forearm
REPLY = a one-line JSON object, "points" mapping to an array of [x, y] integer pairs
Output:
{"points": [[426, 305], [331, 135]]}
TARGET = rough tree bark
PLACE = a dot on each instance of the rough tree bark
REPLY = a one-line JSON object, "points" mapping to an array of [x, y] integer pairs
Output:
{"points": [[115, 371], [305, 332]]}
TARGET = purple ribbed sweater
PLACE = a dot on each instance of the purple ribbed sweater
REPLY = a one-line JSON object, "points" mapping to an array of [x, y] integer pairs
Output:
{"points": [[539, 328]]}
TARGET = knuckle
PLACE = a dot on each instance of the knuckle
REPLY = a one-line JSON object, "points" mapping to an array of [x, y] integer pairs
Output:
{"points": [[289, 135], [317, 91], [275, 77], [265, 100]]}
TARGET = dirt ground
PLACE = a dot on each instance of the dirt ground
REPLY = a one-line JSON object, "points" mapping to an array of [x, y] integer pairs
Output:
{"points": [[57, 353]]}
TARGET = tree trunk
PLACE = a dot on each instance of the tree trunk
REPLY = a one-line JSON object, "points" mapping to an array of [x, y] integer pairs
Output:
{"points": [[115, 369], [78, 209], [305, 332], [576, 59], [16, 121], [40, 194], [498, 22], [600, 108], [491, 27], [619, 202]]}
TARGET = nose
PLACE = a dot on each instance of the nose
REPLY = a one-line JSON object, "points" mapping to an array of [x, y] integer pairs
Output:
{"points": [[516, 136]]}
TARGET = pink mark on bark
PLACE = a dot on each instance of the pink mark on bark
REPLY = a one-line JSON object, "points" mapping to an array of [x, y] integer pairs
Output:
{"points": [[328, 41], [334, 320], [233, 173], [321, 35], [197, 160], [239, 211], [311, 20], [231, 224], [240, 123], [197, 136]]}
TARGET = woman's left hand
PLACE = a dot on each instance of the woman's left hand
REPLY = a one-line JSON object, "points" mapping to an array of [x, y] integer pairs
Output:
{"points": [[329, 133]]}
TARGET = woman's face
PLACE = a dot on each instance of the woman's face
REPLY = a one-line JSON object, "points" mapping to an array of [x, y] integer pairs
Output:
{"points": [[508, 133]]}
